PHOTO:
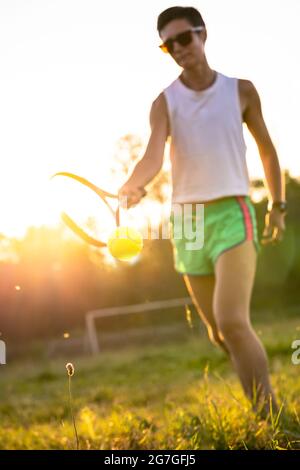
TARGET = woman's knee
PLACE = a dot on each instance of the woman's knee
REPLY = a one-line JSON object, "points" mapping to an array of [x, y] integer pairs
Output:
{"points": [[234, 330]]}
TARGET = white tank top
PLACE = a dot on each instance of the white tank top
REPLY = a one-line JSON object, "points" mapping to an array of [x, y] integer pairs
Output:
{"points": [[208, 151]]}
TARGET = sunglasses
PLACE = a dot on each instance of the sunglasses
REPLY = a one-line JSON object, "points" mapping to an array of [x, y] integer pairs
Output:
{"points": [[184, 39]]}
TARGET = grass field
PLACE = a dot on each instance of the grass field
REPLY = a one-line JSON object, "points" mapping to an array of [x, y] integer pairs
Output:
{"points": [[175, 395]]}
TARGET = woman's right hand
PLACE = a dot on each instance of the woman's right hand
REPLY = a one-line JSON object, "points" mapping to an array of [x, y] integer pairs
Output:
{"points": [[130, 195]]}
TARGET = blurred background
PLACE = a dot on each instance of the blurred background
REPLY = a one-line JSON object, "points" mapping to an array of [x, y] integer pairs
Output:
{"points": [[76, 84]]}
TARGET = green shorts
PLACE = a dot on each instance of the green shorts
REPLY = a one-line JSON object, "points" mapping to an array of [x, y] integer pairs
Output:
{"points": [[227, 222]]}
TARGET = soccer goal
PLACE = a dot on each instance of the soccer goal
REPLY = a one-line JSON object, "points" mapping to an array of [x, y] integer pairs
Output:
{"points": [[93, 315]]}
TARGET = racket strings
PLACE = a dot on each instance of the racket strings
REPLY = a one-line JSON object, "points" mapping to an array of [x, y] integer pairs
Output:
{"points": [[103, 195]]}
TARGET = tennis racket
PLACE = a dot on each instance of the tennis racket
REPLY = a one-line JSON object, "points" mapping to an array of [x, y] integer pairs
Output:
{"points": [[104, 197]]}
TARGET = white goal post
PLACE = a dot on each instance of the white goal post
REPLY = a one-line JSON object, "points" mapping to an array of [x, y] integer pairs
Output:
{"points": [[91, 316]]}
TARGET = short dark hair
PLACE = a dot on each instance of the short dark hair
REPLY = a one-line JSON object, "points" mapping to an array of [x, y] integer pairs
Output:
{"points": [[175, 13]]}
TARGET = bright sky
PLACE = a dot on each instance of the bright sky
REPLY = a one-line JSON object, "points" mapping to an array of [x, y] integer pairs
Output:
{"points": [[76, 75]]}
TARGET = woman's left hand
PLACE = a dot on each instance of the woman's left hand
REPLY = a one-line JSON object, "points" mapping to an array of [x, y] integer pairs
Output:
{"points": [[274, 227]]}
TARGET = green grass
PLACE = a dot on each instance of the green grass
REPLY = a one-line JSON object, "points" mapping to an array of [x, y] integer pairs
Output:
{"points": [[175, 395]]}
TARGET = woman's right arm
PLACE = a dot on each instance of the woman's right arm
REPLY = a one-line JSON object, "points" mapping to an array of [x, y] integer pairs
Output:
{"points": [[150, 164]]}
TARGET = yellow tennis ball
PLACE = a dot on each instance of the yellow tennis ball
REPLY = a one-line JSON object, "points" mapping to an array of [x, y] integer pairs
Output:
{"points": [[125, 243]]}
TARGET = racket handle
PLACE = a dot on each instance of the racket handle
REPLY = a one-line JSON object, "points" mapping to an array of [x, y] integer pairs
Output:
{"points": [[118, 216]]}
